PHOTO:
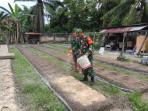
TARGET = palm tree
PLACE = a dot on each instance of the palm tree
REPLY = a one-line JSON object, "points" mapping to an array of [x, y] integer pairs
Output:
{"points": [[103, 6], [39, 12], [128, 12]]}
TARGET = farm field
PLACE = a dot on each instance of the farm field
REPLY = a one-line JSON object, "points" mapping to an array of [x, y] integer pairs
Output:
{"points": [[125, 90]]}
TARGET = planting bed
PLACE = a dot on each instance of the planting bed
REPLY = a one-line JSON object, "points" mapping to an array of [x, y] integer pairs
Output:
{"points": [[128, 65], [112, 76], [78, 95]]}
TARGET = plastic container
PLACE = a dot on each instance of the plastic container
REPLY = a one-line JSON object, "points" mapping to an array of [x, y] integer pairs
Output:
{"points": [[84, 62], [144, 60]]}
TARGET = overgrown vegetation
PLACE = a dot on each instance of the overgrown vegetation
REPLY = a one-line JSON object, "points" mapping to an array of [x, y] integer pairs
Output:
{"points": [[36, 95]]}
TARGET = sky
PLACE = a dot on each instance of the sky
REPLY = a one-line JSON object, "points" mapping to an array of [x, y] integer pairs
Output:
{"points": [[4, 3]]}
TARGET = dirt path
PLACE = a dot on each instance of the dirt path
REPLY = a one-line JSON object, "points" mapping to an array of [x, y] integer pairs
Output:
{"points": [[117, 78], [79, 96], [7, 85], [112, 60]]}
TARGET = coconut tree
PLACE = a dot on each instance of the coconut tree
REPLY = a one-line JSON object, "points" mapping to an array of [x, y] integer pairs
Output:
{"points": [[127, 12], [103, 6], [39, 12]]}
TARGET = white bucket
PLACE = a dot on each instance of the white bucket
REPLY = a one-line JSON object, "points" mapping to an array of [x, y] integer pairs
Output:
{"points": [[84, 62]]}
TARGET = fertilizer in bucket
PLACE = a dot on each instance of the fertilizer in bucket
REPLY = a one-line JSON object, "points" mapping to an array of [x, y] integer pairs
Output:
{"points": [[84, 62]]}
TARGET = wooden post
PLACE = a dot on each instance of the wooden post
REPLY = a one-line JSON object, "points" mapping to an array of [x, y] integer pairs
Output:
{"points": [[142, 43], [66, 38], [121, 54], [54, 37], [94, 37]]}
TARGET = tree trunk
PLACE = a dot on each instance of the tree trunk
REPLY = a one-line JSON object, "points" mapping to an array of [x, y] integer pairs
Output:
{"points": [[17, 32], [39, 18], [141, 10]]}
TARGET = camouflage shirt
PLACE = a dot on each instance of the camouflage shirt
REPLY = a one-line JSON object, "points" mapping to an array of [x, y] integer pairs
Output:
{"points": [[75, 46], [84, 46]]}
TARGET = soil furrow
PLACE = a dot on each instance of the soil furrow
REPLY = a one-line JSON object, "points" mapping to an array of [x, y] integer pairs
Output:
{"points": [[117, 78]]}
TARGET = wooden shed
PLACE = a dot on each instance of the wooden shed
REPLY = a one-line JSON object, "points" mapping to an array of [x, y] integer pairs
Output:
{"points": [[139, 41]]}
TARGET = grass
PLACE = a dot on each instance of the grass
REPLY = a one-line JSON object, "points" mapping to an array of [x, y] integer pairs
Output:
{"points": [[55, 51], [61, 47], [36, 95], [113, 68], [105, 89], [136, 101]]}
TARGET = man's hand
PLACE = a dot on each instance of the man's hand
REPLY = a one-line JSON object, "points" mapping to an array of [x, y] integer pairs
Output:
{"points": [[87, 54]]}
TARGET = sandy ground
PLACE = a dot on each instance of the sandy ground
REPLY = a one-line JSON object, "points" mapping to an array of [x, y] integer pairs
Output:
{"points": [[117, 78], [8, 100], [78, 95]]}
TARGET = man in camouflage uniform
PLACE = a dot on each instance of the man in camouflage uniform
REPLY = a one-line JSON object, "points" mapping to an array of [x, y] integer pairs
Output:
{"points": [[75, 50], [86, 46]]}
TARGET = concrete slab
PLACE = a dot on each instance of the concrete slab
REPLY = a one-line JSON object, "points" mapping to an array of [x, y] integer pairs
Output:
{"points": [[7, 56], [4, 54], [3, 49]]}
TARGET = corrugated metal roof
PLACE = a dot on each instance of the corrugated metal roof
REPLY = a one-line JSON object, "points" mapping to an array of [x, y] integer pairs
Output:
{"points": [[121, 30]]}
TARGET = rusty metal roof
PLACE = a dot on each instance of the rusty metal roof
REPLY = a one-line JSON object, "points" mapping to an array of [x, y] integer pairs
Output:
{"points": [[121, 30]]}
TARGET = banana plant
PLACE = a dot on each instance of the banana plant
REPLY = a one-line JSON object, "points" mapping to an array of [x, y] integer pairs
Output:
{"points": [[17, 18]]}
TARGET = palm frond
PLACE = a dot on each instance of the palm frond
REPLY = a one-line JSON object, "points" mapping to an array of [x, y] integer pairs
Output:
{"points": [[11, 9], [16, 10], [131, 18], [5, 9]]}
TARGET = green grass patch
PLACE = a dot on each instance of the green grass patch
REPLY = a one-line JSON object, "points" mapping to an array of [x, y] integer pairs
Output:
{"points": [[61, 47], [124, 71], [131, 60], [105, 89], [60, 52], [36, 93], [136, 101]]}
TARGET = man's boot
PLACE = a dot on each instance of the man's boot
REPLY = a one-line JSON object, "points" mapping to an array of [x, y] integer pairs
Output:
{"points": [[92, 81], [84, 78]]}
